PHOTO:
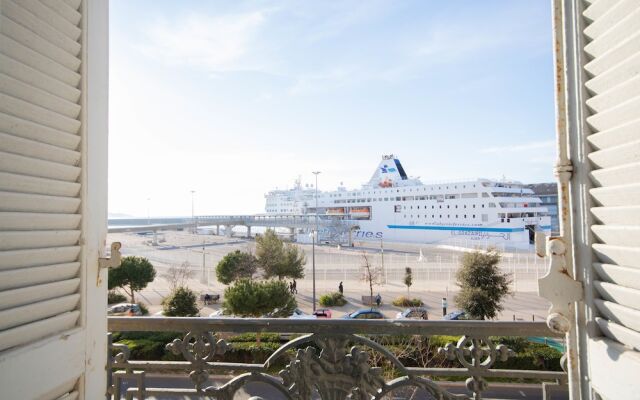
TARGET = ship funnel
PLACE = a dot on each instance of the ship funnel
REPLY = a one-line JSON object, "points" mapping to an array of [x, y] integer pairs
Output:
{"points": [[388, 173]]}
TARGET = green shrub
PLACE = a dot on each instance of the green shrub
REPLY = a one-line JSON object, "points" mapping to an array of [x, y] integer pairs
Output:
{"points": [[335, 299], [251, 337], [114, 297], [180, 303], [404, 301], [144, 309]]}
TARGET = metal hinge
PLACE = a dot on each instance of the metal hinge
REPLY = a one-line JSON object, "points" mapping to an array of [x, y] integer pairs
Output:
{"points": [[557, 286], [115, 258]]}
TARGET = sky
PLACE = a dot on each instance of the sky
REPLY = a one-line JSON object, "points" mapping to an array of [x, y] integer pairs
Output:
{"points": [[232, 99]]}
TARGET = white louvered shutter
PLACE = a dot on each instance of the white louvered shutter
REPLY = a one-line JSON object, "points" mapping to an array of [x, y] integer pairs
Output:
{"points": [[43, 184], [39, 172], [609, 83]]}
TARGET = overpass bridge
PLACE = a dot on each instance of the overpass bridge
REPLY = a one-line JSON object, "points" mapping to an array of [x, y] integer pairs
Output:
{"points": [[332, 227]]}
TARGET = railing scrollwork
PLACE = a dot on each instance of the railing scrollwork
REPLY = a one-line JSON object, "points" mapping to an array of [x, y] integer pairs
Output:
{"points": [[333, 361]]}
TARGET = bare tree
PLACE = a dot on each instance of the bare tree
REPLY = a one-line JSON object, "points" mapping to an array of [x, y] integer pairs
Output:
{"points": [[177, 276], [371, 274]]}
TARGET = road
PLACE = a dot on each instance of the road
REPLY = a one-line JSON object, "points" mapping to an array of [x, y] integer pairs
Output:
{"points": [[333, 265]]}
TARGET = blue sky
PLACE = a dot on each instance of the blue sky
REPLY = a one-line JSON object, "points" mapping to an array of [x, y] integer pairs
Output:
{"points": [[232, 99]]}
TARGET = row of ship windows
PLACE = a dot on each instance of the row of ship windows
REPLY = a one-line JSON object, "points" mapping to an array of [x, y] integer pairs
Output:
{"points": [[485, 217], [491, 205], [398, 190], [439, 197]]}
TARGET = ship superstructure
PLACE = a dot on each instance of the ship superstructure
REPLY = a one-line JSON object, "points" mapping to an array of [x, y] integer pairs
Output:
{"points": [[392, 206]]}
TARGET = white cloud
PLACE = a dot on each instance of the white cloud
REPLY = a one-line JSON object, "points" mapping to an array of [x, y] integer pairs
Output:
{"points": [[215, 43], [538, 145]]}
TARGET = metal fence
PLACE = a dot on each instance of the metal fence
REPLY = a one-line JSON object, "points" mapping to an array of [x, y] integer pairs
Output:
{"points": [[326, 359]]}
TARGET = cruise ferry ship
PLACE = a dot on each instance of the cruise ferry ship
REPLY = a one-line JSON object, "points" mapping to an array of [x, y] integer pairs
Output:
{"points": [[394, 207]]}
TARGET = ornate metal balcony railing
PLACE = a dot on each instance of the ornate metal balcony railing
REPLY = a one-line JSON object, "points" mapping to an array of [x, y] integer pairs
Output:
{"points": [[327, 359]]}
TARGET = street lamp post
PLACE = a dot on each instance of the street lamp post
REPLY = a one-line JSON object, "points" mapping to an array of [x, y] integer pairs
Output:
{"points": [[193, 219], [313, 244]]}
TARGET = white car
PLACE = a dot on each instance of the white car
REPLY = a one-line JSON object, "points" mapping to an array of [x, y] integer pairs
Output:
{"points": [[220, 314], [299, 314]]}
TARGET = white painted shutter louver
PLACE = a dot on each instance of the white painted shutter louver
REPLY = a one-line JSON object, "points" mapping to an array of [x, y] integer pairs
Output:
{"points": [[612, 44], [40, 77]]}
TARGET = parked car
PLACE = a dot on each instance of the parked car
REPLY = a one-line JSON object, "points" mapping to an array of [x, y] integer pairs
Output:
{"points": [[220, 314], [299, 314], [455, 316], [365, 314], [413, 313], [124, 309], [322, 313]]}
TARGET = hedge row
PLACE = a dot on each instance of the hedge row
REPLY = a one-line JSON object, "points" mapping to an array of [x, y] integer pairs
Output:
{"points": [[244, 349]]}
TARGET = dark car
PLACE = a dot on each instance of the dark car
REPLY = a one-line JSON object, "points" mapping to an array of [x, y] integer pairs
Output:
{"points": [[365, 314], [413, 313], [455, 316]]}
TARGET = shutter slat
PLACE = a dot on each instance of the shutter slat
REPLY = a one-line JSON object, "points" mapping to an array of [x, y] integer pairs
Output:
{"points": [[39, 97], [48, 16], [615, 13], [619, 314], [618, 95], [624, 276], [617, 155], [615, 34], [624, 335], [17, 316], [38, 257], [617, 235], [615, 56], [31, 40], [75, 4], [37, 150], [15, 240], [616, 116], [38, 330], [30, 130], [38, 203], [29, 166], [33, 294], [31, 112], [37, 79], [598, 9], [619, 294], [39, 168], [37, 221], [617, 136], [29, 184], [615, 76], [45, 31], [617, 215], [620, 255], [47, 66], [64, 10], [619, 175], [23, 277], [625, 195]]}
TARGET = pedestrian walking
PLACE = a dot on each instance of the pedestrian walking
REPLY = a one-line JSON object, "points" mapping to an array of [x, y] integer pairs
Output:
{"points": [[378, 299], [341, 288], [295, 287], [291, 287]]}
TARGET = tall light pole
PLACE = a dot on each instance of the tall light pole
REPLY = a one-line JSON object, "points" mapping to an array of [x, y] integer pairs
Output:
{"points": [[193, 219], [313, 244], [148, 211]]}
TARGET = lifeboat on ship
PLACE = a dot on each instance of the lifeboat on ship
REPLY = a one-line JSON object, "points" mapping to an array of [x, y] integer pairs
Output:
{"points": [[360, 213]]}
